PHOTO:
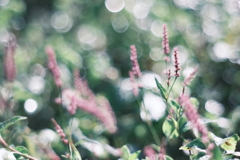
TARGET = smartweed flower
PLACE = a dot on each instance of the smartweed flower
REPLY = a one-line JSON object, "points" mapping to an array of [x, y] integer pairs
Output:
{"points": [[176, 63], [9, 63], [52, 65]]}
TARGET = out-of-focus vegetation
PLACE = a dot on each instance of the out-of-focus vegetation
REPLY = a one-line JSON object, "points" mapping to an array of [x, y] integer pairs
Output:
{"points": [[94, 36]]}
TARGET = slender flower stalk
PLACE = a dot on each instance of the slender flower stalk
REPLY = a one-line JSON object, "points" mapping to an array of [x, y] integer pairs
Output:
{"points": [[176, 63], [135, 65], [168, 77], [9, 63], [188, 80], [193, 116], [52, 65], [60, 131], [165, 43]]}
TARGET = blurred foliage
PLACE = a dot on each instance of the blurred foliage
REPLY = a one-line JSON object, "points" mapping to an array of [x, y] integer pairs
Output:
{"points": [[95, 36]]}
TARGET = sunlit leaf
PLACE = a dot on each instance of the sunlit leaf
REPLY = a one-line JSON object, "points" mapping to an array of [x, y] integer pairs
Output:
{"points": [[230, 143], [170, 127], [134, 155], [74, 152], [125, 152], [195, 144], [200, 156], [10, 122]]}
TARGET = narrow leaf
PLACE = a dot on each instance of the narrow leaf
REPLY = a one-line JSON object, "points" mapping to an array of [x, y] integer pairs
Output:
{"points": [[216, 153], [74, 152], [168, 158], [125, 152], [10, 122], [162, 89]]}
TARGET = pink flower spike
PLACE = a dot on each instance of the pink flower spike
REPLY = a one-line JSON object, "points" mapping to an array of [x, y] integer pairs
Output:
{"points": [[9, 63], [52, 65], [193, 116], [165, 43], [176, 63], [188, 80], [134, 83], [60, 131], [135, 65]]}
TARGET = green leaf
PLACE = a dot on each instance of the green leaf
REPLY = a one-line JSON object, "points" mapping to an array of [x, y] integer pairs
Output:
{"points": [[126, 155], [168, 158], [170, 127], [175, 105], [134, 155], [230, 143], [74, 152], [22, 150], [182, 123], [200, 155], [216, 153], [10, 122], [125, 152], [195, 144], [162, 89]]}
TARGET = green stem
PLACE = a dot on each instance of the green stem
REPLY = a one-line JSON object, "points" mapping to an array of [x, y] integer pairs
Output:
{"points": [[149, 123], [171, 87], [62, 118]]}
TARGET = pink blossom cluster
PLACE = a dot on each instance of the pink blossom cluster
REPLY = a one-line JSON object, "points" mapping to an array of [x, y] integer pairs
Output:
{"points": [[162, 153], [168, 77], [188, 80], [82, 86], [135, 72], [52, 65], [152, 155], [149, 152], [134, 83], [135, 65], [60, 131], [176, 63], [165, 43], [193, 116], [99, 108], [9, 63]]}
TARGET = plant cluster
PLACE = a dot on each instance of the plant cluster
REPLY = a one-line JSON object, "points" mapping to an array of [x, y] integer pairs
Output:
{"points": [[180, 120]]}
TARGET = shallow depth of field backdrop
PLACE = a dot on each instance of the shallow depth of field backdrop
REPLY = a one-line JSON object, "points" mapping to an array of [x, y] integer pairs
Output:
{"points": [[94, 36]]}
